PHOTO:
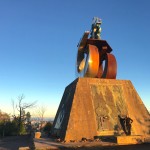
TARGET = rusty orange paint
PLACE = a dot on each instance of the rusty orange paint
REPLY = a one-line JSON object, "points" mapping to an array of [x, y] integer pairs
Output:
{"points": [[92, 61]]}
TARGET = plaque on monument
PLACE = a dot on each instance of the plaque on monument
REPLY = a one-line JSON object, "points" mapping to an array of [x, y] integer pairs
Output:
{"points": [[96, 103]]}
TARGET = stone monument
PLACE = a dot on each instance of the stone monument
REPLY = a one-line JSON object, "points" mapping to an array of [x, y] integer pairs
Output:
{"points": [[94, 104]]}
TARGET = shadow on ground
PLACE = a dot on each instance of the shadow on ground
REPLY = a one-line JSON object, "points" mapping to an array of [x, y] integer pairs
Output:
{"points": [[14, 142]]}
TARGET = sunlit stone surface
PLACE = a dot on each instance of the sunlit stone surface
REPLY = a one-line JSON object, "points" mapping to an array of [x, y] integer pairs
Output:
{"points": [[90, 107]]}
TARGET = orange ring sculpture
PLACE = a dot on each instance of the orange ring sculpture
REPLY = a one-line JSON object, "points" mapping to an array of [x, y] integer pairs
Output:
{"points": [[94, 59], [89, 64]]}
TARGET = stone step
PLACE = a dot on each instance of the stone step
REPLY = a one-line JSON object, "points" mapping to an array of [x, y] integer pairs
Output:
{"points": [[133, 139]]}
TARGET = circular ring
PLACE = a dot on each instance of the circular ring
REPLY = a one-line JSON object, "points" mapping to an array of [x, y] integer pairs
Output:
{"points": [[88, 62], [109, 69]]}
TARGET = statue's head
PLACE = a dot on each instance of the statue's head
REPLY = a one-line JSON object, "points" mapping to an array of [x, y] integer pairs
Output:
{"points": [[97, 21]]}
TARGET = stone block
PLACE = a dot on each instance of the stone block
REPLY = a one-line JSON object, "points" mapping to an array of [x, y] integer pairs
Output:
{"points": [[90, 107], [126, 140]]}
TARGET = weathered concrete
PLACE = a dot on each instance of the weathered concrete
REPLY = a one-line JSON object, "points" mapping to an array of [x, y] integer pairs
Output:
{"points": [[90, 107]]}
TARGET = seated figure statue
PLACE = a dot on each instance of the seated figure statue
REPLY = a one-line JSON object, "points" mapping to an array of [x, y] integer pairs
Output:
{"points": [[96, 28]]}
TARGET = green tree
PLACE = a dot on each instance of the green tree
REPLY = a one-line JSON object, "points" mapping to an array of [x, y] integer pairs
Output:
{"points": [[8, 127], [47, 128], [4, 118], [28, 123]]}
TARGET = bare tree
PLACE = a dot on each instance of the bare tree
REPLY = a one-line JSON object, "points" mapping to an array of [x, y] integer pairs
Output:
{"points": [[40, 112], [21, 107], [14, 107]]}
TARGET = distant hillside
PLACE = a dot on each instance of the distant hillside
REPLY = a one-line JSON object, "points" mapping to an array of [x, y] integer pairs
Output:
{"points": [[45, 118]]}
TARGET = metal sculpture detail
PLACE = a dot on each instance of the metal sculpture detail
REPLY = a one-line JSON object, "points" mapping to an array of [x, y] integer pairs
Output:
{"points": [[96, 29], [94, 58]]}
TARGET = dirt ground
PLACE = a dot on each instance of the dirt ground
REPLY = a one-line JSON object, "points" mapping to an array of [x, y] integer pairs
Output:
{"points": [[49, 144], [14, 142], [127, 147]]}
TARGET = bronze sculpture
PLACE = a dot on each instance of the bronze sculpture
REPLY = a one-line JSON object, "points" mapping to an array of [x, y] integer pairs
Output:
{"points": [[94, 58], [91, 107]]}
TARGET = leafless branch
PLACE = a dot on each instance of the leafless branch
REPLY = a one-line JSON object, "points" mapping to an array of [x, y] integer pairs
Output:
{"points": [[13, 105]]}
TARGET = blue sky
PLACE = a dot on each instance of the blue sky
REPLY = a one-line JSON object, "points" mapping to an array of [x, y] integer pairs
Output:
{"points": [[38, 40]]}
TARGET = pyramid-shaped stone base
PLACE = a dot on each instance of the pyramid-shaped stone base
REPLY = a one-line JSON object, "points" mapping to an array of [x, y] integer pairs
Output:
{"points": [[90, 107]]}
